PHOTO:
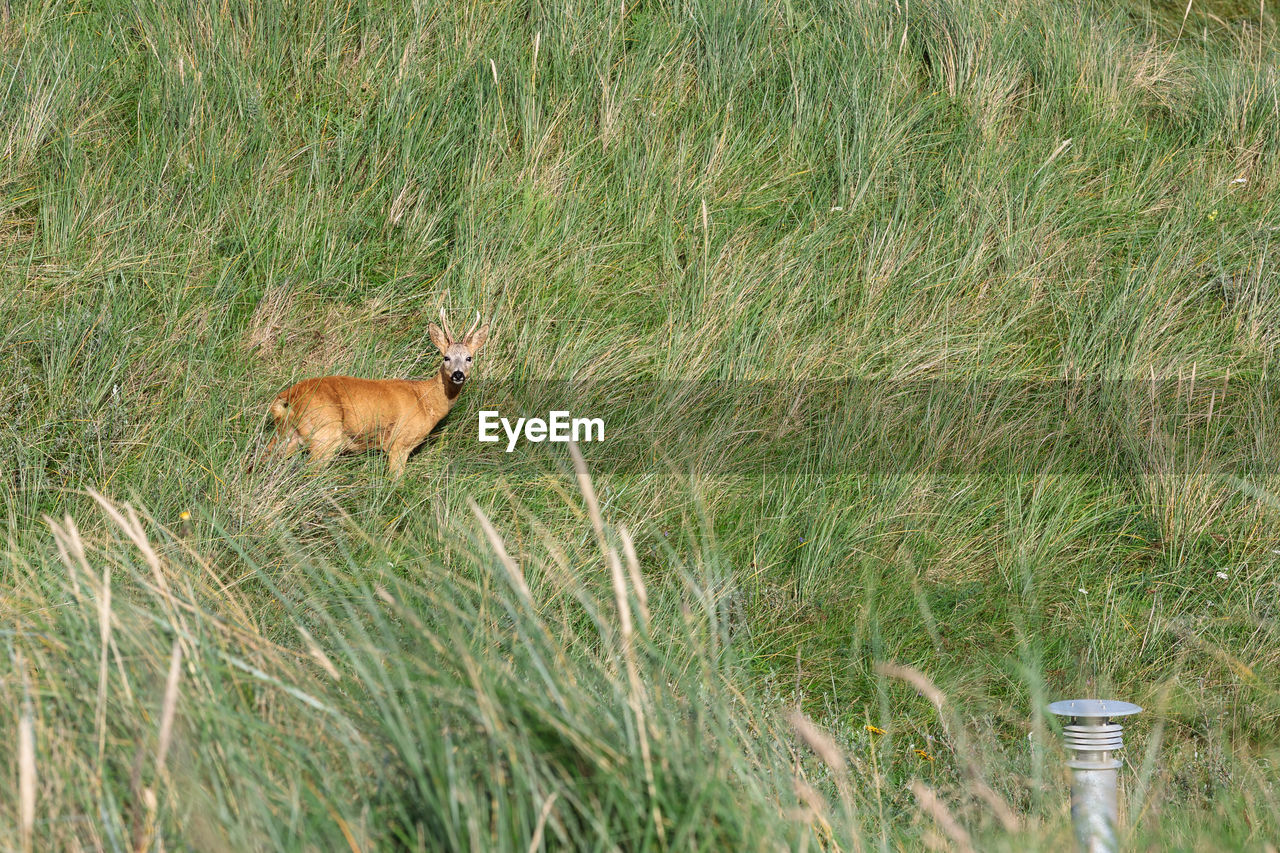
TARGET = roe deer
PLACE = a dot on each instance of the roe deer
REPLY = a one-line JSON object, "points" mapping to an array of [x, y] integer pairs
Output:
{"points": [[335, 413]]}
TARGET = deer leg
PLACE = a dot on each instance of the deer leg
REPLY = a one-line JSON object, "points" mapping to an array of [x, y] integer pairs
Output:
{"points": [[325, 443], [291, 443], [399, 456]]}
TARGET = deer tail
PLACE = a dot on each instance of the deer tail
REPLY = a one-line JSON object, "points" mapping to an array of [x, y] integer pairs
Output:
{"points": [[279, 409]]}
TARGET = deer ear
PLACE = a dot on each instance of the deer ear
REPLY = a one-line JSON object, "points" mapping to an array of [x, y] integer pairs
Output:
{"points": [[438, 338], [476, 339]]}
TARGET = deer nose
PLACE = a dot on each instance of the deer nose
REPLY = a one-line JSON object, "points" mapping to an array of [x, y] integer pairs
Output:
{"points": [[458, 376]]}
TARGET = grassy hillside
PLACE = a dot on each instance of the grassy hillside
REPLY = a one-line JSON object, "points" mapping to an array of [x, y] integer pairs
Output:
{"points": [[934, 343]]}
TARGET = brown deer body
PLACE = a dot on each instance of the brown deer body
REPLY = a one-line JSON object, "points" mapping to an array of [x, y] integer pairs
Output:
{"points": [[332, 414]]}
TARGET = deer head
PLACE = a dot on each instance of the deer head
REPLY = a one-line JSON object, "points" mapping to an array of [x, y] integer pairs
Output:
{"points": [[457, 353]]}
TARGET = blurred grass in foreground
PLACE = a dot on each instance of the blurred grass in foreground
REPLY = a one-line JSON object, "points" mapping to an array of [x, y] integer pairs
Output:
{"points": [[490, 700]]}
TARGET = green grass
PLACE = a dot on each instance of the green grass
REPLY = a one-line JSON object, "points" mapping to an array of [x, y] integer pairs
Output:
{"points": [[935, 335]]}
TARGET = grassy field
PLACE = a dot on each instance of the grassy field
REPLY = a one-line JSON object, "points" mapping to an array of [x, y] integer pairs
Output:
{"points": [[934, 342]]}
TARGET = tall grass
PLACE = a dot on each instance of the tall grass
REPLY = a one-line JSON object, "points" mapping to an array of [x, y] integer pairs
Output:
{"points": [[362, 700], [934, 343]]}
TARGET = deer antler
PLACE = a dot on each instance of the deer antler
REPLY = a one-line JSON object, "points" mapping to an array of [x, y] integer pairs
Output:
{"points": [[444, 324], [473, 328]]}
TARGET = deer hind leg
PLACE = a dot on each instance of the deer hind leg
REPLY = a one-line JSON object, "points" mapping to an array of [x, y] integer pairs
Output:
{"points": [[291, 440], [326, 443], [284, 434]]}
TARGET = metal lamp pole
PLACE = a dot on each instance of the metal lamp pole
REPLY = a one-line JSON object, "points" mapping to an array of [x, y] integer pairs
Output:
{"points": [[1094, 738]]}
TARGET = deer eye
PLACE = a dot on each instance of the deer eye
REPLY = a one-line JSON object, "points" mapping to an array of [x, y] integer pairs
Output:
{"points": [[468, 358]]}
